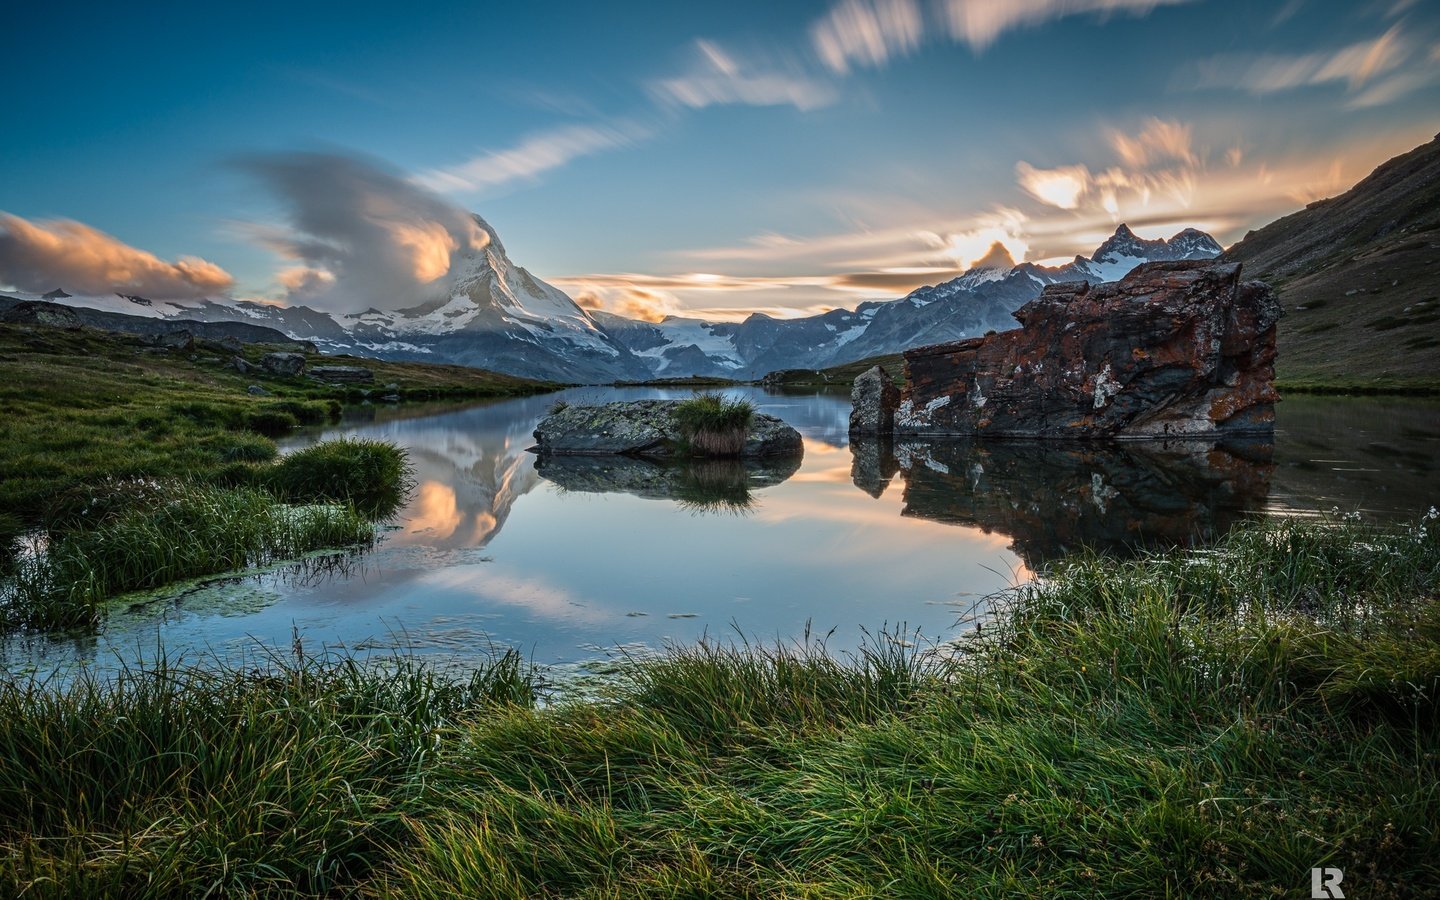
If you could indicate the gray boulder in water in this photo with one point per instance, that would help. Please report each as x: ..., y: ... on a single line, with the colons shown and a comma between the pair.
x: 647, y: 428
x: 874, y: 399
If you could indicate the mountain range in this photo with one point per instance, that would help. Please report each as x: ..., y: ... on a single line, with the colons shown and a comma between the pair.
x: 496, y: 315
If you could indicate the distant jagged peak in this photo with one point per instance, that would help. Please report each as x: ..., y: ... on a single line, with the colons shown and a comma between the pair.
x: 1189, y: 243
x: 57, y: 294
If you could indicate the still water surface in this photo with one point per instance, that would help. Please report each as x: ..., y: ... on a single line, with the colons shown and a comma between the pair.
x: 570, y: 559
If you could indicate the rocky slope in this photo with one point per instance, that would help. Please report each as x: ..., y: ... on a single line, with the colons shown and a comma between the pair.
x: 1359, y: 277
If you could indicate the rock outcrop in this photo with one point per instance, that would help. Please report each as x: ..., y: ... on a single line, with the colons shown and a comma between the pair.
x: 1174, y: 349
x: 288, y: 364
x: 873, y: 401
x: 34, y: 312
x: 342, y: 374
x: 647, y: 428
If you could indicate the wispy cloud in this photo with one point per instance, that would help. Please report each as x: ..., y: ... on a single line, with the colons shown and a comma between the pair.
x: 980, y: 23
x: 1354, y: 66
x: 63, y: 253
x: 867, y: 33
x: 718, y: 77
x: 531, y: 157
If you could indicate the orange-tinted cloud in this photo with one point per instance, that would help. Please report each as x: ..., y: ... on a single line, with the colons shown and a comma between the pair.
x: 40, y: 256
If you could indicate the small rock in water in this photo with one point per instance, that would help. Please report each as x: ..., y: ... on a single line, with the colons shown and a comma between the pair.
x: 684, y: 615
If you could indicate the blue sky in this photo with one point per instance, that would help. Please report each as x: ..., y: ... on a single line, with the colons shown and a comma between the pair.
x: 659, y: 157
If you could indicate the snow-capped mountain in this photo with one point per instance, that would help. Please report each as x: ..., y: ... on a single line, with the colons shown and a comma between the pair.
x: 493, y: 314
x: 981, y: 299
x: 488, y: 312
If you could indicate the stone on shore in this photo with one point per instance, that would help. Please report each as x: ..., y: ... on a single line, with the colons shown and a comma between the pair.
x: 288, y: 364
x: 346, y: 374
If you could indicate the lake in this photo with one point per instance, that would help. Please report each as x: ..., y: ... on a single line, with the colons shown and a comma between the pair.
x: 573, y: 559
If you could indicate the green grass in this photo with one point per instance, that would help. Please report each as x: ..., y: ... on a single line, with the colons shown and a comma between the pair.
x: 1191, y: 723
x: 372, y: 476
x: 714, y: 425
x: 141, y: 535
x: 88, y: 406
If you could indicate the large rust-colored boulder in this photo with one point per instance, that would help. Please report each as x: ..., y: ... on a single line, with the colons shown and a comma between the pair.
x: 1174, y: 349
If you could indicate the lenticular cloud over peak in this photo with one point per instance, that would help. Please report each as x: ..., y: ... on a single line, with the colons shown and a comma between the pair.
x: 364, y: 236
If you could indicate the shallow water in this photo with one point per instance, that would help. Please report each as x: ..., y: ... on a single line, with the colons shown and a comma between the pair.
x: 569, y: 560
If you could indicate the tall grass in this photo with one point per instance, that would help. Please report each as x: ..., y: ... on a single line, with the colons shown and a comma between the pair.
x: 374, y: 476
x: 1206, y: 723
x: 713, y: 424
x: 293, y: 777
x: 141, y: 535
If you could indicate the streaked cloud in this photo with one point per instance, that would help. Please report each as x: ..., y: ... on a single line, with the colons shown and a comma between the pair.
x: 1354, y: 65
x: 718, y: 78
x: 867, y: 33
x: 531, y: 157
x: 980, y: 23
x: 40, y: 256
x: 631, y: 301
x: 1060, y: 187
x: 362, y: 234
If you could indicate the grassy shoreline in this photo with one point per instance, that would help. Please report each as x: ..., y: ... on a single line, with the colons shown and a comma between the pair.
x: 137, y: 466
x: 86, y: 406
x: 1187, y: 723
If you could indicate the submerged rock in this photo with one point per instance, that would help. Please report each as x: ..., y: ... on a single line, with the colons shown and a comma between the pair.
x: 647, y: 428
x: 1174, y: 349
x: 873, y: 401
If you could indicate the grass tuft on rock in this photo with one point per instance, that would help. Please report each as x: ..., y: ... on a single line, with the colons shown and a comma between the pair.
x: 1210, y: 723
x: 714, y: 425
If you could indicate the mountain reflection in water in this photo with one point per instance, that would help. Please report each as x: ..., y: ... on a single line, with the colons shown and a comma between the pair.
x: 565, y: 559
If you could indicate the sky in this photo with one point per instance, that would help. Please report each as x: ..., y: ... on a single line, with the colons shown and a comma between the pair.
x: 657, y: 158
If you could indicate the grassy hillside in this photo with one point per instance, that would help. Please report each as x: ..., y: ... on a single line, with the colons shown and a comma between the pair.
x: 1359, y: 278
x: 86, y: 406
x: 837, y: 376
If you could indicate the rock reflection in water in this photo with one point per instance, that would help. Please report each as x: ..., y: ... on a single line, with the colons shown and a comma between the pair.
x: 703, y: 485
x: 1051, y: 499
